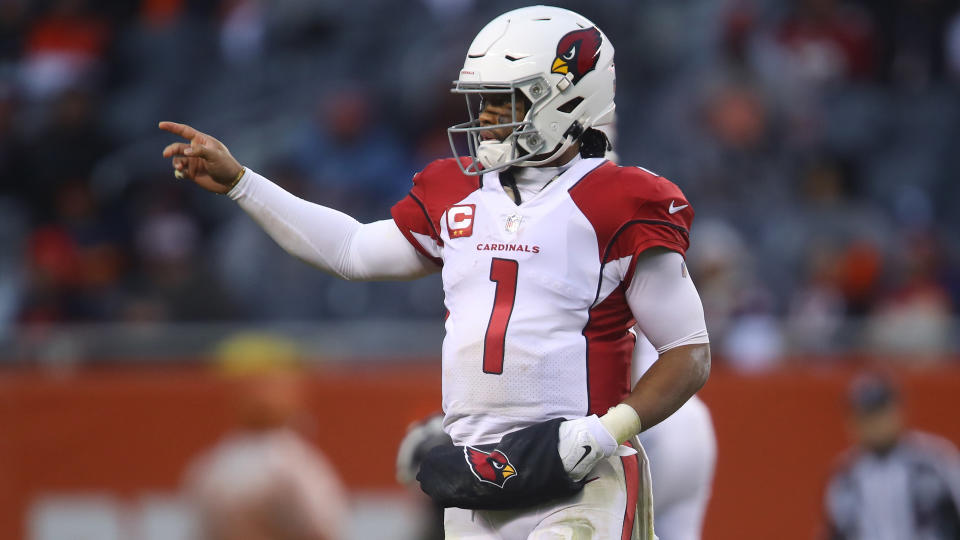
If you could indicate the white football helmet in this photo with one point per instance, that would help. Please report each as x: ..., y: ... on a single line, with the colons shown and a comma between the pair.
x: 560, y: 61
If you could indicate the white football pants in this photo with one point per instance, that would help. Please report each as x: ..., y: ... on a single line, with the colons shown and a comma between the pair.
x: 683, y: 452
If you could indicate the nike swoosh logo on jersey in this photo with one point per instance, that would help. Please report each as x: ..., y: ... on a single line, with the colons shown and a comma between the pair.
x: 675, y: 209
x: 586, y: 451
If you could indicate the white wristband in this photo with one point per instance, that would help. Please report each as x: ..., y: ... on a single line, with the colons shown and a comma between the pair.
x: 622, y: 422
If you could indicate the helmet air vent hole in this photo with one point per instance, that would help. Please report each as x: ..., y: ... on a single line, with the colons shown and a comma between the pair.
x: 569, y: 106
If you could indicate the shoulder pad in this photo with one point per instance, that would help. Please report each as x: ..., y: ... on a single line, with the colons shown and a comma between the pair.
x: 620, y: 200
x: 442, y: 184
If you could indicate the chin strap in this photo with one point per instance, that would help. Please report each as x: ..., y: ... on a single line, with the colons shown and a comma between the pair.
x: 574, y: 132
x: 570, y: 137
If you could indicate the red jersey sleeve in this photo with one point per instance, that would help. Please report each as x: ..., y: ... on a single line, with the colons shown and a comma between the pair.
x: 633, y: 210
x: 440, y: 185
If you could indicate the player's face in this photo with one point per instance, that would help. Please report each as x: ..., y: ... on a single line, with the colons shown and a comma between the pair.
x: 496, y: 109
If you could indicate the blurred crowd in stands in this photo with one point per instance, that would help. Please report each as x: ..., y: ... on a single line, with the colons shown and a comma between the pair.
x: 818, y: 141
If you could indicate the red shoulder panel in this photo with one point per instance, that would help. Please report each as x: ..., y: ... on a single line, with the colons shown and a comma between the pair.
x: 632, y: 209
x: 438, y: 186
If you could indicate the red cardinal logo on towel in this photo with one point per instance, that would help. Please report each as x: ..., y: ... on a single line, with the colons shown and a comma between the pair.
x: 493, y: 467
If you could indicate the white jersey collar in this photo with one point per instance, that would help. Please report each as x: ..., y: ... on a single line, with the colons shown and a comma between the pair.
x: 532, y: 180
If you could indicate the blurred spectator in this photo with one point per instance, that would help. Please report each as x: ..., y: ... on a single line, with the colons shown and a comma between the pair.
x: 717, y: 261
x: 737, y: 29
x: 915, y: 316
x: 64, y: 149
x: 173, y: 273
x: 51, y: 264
x: 74, y: 262
x: 355, y: 165
x: 816, y: 311
x: 828, y: 40
x: 894, y: 484
x: 737, y: 117
x: 754, y: 342
x: 264, y: 480
x: 912, y: 35
x: 243, y: 31
x: 860, y: 268
x: 740, y: 152
x: 11, y: 150
x: 952, y: 44
x: 786, y: 121
x: 12, y: 18
x: 245, y: 258
x: 816, y: 48
x: 449, y: 9
x: 161, y: 12
x: 12, y: 271
x: 63, y: 48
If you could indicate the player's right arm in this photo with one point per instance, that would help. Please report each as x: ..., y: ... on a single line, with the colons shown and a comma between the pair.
x: 321, y: 236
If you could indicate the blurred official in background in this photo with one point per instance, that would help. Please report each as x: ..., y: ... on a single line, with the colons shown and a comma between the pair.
x: 895, y: 484
x: 264, y: 480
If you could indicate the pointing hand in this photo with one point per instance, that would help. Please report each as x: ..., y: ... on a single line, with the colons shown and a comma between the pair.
x: 204, y: 160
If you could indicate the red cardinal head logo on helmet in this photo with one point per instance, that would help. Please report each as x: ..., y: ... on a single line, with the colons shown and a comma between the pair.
x: 493, y: 467
x: 577, y: 53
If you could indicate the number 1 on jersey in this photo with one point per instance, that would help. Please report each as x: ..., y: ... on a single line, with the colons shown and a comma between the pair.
x: 503, y: 272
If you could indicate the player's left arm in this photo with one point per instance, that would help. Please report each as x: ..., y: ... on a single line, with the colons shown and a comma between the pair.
x: 667, y: 308
x: 668, y: 311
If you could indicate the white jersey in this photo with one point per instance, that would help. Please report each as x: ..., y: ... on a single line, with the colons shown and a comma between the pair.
x: 537, y: 325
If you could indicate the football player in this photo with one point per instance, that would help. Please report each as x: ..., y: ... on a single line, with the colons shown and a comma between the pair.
x: 549, y: 254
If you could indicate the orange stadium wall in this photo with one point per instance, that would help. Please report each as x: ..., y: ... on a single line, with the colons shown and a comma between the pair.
x: 131, y: 431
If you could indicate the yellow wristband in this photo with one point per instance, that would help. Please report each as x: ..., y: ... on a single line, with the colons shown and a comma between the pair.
x: 236, y: 180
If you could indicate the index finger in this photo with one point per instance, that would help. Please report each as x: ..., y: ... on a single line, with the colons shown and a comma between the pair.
x: 182, y: 130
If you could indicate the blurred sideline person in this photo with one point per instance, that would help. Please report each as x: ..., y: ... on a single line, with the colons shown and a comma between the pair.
x: 682, y: 451
x: 549, y: 255
x: 263, y: 480
x: 895, y: 484
x: 683, y: 454
x: 421, y: 437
